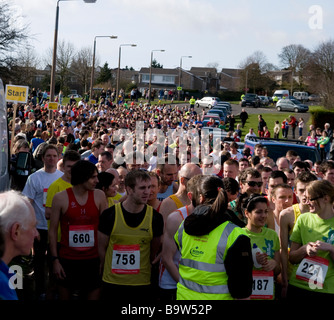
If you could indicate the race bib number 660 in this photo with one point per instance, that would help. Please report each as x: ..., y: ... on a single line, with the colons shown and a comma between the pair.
x: 81, y: 237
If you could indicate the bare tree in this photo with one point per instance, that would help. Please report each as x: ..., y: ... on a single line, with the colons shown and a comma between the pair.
x: 65, y: 55
x: 82, y: 66
x: 25, y: 68
x: 12, y: 37
x: 295, y: 57
x: 321, y: 71
x: 258, y: 57
x: 253, y: 75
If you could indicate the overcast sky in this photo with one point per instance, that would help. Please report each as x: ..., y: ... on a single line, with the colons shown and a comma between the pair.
x: 211, y: 31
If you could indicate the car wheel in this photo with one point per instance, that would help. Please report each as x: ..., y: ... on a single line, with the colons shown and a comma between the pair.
x: 296, y: 110
x: 209, y: 106
x: 278, y: 109
x: 196, y: 105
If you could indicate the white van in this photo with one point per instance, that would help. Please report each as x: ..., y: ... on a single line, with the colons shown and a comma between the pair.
x: 302, y: 96
x: 281, y: 93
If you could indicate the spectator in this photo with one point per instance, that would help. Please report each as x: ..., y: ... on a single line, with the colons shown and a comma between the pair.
x: 261, y: 125
x: 17, y: 235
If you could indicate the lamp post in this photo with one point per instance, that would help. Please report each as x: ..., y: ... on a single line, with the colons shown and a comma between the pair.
x: 93, y: 64
x: 119, y: 67
x: 180, y: 75
x: 150, y: 82
x: 54, y: 56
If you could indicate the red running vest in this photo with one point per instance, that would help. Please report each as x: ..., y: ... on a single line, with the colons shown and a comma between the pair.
x: 79, y: 229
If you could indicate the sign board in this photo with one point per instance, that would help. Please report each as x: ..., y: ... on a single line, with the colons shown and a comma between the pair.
x: 93, y: 101
x: 53, y: 105
x: 18, y: 94
x: 179, y: 88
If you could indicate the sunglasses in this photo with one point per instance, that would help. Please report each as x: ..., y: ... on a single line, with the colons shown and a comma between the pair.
x: 254, y: 183
x: 314, y: 199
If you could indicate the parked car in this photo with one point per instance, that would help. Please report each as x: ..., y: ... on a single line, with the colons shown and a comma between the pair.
x: 225, y: 104
x: 221, y: 113
x: 314, y: 97
x: 214, y: 116
x: 206, y: 102
x: 291, y: 105
x: 264, y: 100
x: 207, y: 118
x: 301, y: 96
x: 216, y: 132
x: 281, y: 93
x: 278, y: 148
x: 205, y: 122
x: 252, y: 100
x: 75, y: 96
x: 222, y: 108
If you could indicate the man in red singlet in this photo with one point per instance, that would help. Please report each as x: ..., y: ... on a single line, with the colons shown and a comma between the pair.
x: 76, y: 262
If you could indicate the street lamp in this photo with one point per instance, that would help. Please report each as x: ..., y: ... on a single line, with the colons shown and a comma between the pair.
x: 119, y: 66
x: 93, y: 64
x: 180, y: 75
x: 149, y: 86
x: 54, y: 56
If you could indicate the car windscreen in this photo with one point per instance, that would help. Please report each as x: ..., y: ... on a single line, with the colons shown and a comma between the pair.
x: 295, y: 101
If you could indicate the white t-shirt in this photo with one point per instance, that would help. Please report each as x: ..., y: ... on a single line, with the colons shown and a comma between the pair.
x: 250, y: 135
x: 237, y: 156
x: 36, y: 189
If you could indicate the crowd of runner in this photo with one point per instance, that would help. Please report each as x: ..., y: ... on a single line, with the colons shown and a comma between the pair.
x: 129, y: 200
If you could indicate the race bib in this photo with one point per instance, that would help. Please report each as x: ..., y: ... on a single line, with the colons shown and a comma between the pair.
x: 45, y: 193
x: 263, y: 285
x: 126, y: 259
x: 81, y: 237
x: 313, y: 271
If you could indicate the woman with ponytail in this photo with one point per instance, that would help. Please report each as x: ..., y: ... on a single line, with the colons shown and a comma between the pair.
x: 216, y: 255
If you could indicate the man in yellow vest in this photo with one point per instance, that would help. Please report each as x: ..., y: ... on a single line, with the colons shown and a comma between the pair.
x: 192, y: 102
x: 129, y: 239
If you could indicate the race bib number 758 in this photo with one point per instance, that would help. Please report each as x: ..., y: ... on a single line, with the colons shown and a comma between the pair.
x: 126, y: 259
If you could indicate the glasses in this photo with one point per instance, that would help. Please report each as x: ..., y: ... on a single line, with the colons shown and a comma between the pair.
x: 254, y: 183
x: 314, y: 199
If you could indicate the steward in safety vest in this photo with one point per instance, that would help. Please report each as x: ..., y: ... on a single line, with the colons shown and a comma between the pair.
x: 216, y: 261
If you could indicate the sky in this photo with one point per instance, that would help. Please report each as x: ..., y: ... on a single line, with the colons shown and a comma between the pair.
x: 219, y: 32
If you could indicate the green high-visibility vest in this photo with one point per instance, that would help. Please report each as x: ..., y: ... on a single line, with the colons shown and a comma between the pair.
x: 202, y: 270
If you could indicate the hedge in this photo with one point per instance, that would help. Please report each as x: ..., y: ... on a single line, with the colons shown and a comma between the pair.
x: 320, y: 117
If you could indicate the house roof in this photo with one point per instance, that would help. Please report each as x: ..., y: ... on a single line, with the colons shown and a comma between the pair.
x: 233, y: 73
x: 203, y: 72
x: 159, y: 71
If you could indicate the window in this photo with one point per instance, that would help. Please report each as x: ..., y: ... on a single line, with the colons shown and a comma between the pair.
x: 146, y: 78
x: 168, y: 79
